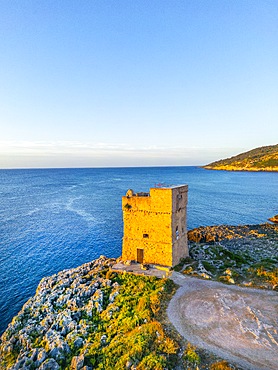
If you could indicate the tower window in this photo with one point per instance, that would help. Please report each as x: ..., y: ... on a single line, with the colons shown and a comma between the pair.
x: 177, y: 232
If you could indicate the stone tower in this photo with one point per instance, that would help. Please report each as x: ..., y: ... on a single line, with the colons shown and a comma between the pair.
x: 155, y: 226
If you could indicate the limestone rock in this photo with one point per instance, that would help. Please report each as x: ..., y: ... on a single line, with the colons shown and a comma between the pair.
x: 49, y: 364
x: 274, y: 219
x: 213, y: 234
x: 77, y: 362
x: 78, y: 343
x: 55, y: 319
x: 41, y: 356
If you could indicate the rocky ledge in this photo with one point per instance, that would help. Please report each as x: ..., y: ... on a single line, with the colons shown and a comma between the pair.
x: 91, y: 317
x: 52, y: 325
x: 246, y: 255
x: 274, y: 219
x: 207, y: 234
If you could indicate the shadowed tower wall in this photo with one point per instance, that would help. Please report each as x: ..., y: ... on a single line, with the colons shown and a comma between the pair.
x: 155, y: 226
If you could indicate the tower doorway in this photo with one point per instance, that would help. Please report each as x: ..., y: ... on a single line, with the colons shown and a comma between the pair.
x: 140, y: 255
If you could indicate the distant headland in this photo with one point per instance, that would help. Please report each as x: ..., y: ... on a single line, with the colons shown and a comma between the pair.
x: 264, y: 158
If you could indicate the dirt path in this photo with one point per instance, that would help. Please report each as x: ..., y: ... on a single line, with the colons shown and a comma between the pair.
x: 238, y: 324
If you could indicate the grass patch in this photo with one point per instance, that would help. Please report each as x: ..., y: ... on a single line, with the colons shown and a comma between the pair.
x: 133, y: 335
x: 209, y: 267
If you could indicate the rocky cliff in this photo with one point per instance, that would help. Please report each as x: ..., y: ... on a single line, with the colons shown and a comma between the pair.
x: 218, y: 233
x: 274, y: 219
x: 260, y: 159
x: 51, y: 326
x: 89, y: 318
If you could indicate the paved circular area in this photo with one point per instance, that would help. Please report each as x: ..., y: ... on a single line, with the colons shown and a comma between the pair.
x: 238, y: 324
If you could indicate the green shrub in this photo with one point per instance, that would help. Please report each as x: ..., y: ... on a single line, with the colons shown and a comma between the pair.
x: 209, y: 267
x: 190, y: 357
x: 222, y: 365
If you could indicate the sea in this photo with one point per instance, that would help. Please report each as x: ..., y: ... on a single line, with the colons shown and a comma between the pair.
x: 55, y: 219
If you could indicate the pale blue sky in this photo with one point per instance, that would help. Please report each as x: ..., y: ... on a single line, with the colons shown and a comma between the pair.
x: 134, y: 82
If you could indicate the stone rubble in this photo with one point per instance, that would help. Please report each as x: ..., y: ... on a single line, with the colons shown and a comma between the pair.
x: 225, y: 252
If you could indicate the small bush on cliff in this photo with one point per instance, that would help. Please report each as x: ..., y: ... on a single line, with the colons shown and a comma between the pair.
x: 190, y: 357
x: 265, y: 276
x: 222, y: 365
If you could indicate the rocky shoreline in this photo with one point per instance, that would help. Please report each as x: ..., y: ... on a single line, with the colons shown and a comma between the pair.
x: 246, y: 255
x: 205, y: 234
x: 274, y: 219
x: 241, y: 169
x: 91, y: 317
x: 55, y: 316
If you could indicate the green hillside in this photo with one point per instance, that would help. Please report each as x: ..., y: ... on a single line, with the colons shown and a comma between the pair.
x: 264, y: 158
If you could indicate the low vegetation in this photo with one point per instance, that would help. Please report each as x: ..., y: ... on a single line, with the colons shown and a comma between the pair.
x: 133, y: 336
x: 221, y: 365
x: 246, y: 255
x: 190, y: 357
x: 119, y: 331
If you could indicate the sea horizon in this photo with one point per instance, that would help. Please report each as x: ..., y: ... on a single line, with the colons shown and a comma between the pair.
x: 96, y: 167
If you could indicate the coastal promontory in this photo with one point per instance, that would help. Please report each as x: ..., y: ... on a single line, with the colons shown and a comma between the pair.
x: 264, y: 158
x: 90, y: 318
x: 93, y: 317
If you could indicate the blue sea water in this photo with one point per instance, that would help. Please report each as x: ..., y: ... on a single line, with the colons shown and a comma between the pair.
x: 53, y: 219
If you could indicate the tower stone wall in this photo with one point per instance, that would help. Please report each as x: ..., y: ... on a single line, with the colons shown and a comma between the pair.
x: 155, y: 226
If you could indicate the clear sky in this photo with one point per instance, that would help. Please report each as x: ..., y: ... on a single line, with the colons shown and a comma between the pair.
x: 88, y: 83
